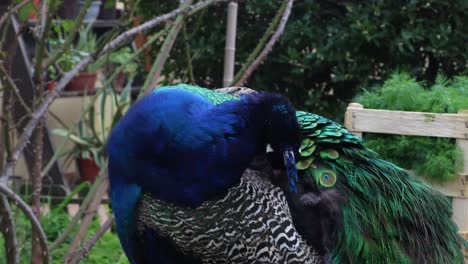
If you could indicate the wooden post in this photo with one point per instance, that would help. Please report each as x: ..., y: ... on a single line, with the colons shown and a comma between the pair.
x: 460, y: 204
x: 349, y: 118
x: 230, y: 50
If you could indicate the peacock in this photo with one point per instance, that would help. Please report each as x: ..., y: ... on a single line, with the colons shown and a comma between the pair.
x: 345, y: 205
x: 180, y: 184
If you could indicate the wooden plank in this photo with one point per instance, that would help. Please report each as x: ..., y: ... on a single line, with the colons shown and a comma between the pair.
x: 407, y: 123
x: 462, y: 143
x: 456, y: 188
x: 460, y: 213
x: 460, y: 204
x: 349, y: 119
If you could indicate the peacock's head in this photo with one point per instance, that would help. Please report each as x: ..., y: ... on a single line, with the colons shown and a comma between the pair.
x: 283, y: 133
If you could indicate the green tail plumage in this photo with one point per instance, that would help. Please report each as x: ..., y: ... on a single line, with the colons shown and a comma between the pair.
x: 391, y: 216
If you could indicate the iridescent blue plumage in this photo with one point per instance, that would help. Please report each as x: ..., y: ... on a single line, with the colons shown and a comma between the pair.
x: 180, y: 148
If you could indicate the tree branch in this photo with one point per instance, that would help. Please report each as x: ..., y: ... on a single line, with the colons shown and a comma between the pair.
x: 7, y: 227
x: 268, y: 47
x: 14, y: 88
x: 163, y: 54
x: 36, y: 225
x: 90, y: 243
x: 12, y: 10
x: 188, y: 56
x: 158, y: 65
x: 90, y: 211
x: 46, y: 23
x: 84, y: 205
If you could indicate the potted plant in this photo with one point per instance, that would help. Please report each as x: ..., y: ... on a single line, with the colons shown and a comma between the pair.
x: 105, y: 110
x: 122, y: 59
x: 86, y: 44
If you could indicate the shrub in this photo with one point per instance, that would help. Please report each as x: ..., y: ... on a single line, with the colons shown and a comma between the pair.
x: 438, y: 159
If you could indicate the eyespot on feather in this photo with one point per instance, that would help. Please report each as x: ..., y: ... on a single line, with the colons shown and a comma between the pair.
x: 325, y: 177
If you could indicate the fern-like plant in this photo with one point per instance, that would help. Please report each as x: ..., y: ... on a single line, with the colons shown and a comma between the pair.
x: 437, y: 159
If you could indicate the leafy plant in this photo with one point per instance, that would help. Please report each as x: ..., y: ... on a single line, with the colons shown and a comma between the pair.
x: 93, y: 129
x: 438, y: 159
x: 86, y: 44
x: 106, y: 250
x: 123, y: 57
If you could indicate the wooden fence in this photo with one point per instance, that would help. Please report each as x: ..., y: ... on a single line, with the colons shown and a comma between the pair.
x: 359, y: 120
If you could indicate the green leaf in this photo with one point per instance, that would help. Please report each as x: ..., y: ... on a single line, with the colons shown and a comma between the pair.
x: 74, y: 138
x: 24, y: 12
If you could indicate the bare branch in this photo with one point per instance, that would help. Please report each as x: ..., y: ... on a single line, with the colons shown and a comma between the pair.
x: 36, y: 225
x: 7, y: 223
x: 119, y: 40
x: 90, y: 211
x: 84, y: 205
x: 14, y: 88
x: 269, y: 45
x: 13, y: 10
x: 46, y: 23
x: 90, y: 243
x: 158, y: 65
x: 36, y: 180
x: 7, y: 227
x: 188, y: 56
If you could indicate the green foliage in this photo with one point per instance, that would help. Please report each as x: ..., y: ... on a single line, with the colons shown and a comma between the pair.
x: 106, y: 250
x: 329, y: 48
x: 436, y: 158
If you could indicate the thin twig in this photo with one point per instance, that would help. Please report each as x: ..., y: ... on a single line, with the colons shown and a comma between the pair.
x: 84, y: 205
x: 7, y: 227
x: 86, y: 221
x: 12, y: 10
x: 7, y: 223
x: 46, y: 23
x: 14, y: 88
x: 261, y: 43
x: 36, y: 182
x: 188, y: 56
x: 158, y: 64
x: 269, y: 45
x: 119, y: 40
x: 90, y: 243
x: 47, y: 10
x: 36, y: 225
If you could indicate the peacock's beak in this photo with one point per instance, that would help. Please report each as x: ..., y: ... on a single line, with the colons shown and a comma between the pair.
x: 290, y: 164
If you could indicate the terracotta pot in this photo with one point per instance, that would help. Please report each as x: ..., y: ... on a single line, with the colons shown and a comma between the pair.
x: 120, y: 80
x: 82, y: 81
x: 51, y: 85
x: 89, y: 170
